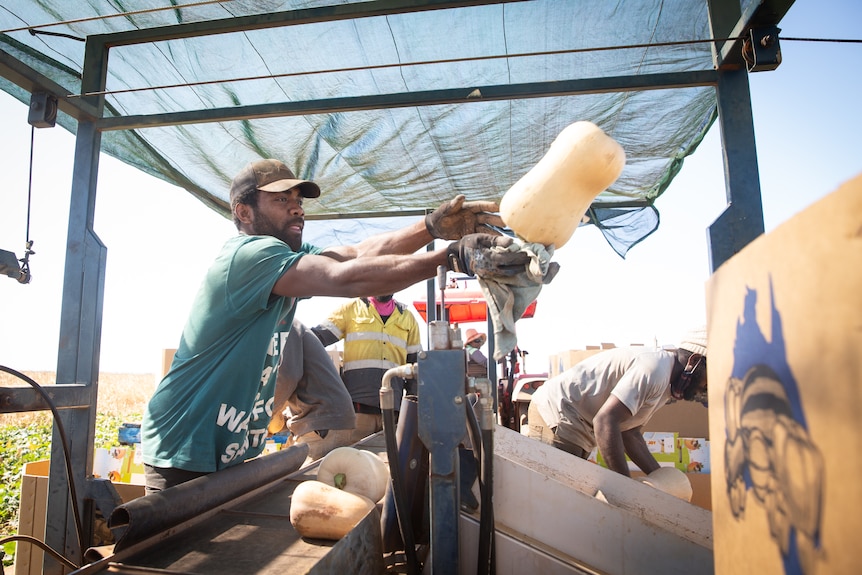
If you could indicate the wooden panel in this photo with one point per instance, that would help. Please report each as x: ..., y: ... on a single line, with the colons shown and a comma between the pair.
x: 31, y: 517
x: 785, y: 334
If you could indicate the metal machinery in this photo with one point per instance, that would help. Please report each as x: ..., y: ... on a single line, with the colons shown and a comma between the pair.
x: 444, y: 412
x: 751, y: 27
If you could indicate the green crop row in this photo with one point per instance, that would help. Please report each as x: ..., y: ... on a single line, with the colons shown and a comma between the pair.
x: 22, y: 444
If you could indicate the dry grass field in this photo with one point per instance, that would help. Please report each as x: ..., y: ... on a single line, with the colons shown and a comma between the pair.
x: 120, y: 394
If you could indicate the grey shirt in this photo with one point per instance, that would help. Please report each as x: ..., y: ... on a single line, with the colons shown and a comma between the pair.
x: 309, y: 392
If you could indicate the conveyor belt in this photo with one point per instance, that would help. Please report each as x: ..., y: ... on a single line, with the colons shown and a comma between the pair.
x: 554, y: 514
x: 250, y: 534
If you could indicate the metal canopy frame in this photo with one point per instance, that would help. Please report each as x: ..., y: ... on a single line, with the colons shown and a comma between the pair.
x: 81, y: 317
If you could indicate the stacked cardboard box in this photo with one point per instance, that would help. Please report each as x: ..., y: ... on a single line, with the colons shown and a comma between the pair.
x: 690, y: 422
x: 560, y: 362
x: 661, y: 444
x: 693, y: 454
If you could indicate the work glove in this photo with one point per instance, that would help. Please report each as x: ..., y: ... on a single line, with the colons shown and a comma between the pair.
x: 457, y: 218
x: 486, y: 255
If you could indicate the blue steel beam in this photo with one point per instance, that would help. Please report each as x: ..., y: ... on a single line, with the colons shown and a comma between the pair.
x: 80, y: 331
x: 742, y: 220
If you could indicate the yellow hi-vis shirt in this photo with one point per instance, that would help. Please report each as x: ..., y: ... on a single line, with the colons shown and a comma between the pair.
x: 371, y: 347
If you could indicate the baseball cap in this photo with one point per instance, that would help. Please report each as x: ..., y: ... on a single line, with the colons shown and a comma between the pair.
x: 695, y: 341
x: 270, y: 176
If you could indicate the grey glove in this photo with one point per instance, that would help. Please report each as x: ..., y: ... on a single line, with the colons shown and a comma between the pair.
x: 475, y: 254
x: 456, y: 218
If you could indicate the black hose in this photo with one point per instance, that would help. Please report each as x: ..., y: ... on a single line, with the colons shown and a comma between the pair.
x: 64, y: 444
x: 41, y: 545
x: 475, y: 437
x: 398, y: 492
x: 486, y: 519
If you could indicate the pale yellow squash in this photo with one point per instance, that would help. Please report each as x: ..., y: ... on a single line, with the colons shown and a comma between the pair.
x: 320, y: 511
x: 670, y: 480
x: 356, y: 471
x: 547, y: 204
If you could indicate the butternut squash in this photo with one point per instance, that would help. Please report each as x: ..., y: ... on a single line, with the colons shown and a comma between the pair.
x: 320, y: 511
x: 355, y: 471
x: 548, y: 203
x: 670, y: 480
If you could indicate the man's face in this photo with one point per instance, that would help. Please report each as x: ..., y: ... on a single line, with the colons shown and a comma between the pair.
x: 280, y: 214
x: 697, y: 389
x: 691, y: 384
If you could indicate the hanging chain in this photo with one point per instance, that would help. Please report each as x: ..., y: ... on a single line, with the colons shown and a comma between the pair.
x: 24, y: 276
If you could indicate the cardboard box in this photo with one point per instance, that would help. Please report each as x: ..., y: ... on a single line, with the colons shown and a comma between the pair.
x: 662, y: 446
x: 784, y: 317
x: 32, y: 513
x: 693, y: 454
x: 275, y: 443
x: 658, y: 442
x: 132, y: 470
x: 122, y: 464
x: 560, y: 362
x: 108, y: 463
x: 687, y: 418
x: 701, y: 489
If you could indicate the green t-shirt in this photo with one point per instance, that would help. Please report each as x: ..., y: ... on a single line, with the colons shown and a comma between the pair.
x: 211, y: 409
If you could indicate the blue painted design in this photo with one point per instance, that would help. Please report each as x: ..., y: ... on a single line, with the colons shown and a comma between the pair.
x: 751, y: 348
x: 768, y: 451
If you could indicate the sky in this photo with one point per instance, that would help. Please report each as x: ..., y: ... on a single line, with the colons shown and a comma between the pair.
x: 161, y: 240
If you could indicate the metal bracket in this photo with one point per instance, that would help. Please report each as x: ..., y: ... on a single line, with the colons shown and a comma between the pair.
x: 43, y: 110
x: 761, y: 50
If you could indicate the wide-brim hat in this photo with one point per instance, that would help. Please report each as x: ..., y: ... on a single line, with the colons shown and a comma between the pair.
x: 474, y: 336
x: 270, y: 176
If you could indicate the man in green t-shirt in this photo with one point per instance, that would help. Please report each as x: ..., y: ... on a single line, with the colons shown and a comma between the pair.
x: 212, y: 408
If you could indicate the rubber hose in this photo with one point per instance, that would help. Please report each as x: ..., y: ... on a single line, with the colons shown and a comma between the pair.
x: 475, y: 438
x: 486, y: 519
x: 398, y: 492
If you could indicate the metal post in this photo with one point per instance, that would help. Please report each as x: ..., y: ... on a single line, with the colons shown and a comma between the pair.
x: 492, y: 363
x: 442, y: 427
x: 742, y: 220
x: 80, y: 331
